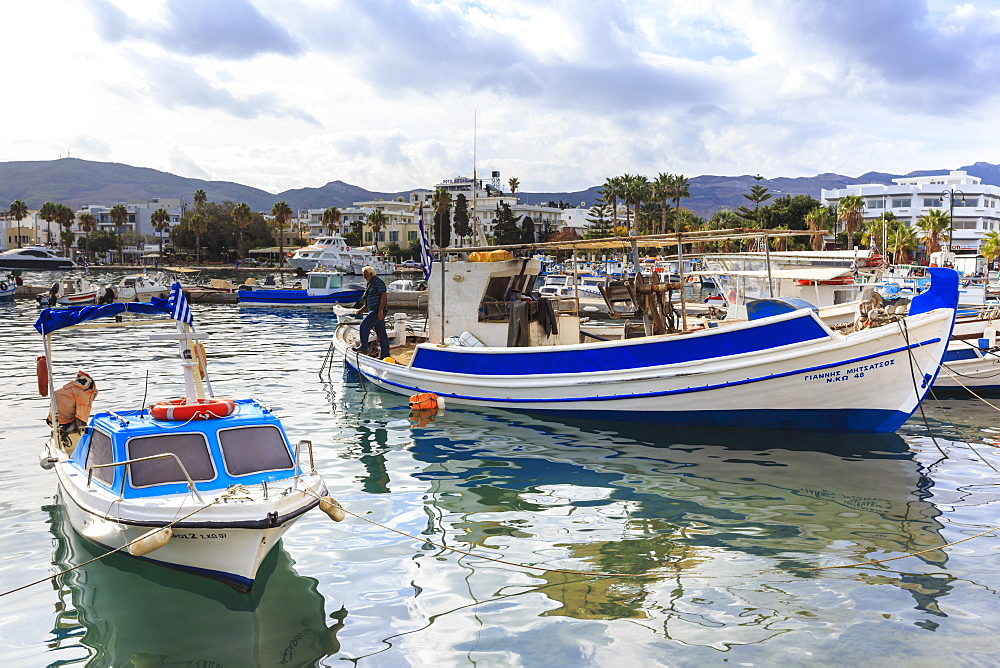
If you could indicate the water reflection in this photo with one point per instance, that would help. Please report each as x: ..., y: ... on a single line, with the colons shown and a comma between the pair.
x: 128, y: 612
x: 711, y: 515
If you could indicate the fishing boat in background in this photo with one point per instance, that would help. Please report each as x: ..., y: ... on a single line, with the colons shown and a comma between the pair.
x: 324, y: 288
x: 199, y: 483
x: 783, y: 367
x: 142, y: 287
x: 71, y: 291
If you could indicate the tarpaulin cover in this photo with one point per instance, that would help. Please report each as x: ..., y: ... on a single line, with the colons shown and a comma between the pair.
x: 51, y: 319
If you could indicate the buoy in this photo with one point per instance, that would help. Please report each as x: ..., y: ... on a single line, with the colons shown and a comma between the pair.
x: 422, y: 418
x: 149, y: 541
x: 199, y: 409
x: 333, y: 509
x: 42, y: 373
x: 390, y: 360
x: 424, y: 401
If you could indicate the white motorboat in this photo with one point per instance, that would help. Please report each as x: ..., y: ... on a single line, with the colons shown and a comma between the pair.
x: 333, y: 252
x: 783, y: 368
x: 142, y: 287
x: 200, y: 484
x: 34, y: 258
x: 71, y: 291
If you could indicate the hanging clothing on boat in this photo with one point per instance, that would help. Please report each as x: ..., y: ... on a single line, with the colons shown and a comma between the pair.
x: 547, y: 317
x: 74, y: 401
x: 517, y: 328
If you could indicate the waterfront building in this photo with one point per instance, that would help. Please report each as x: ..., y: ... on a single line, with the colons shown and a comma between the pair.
x: 976, y: 206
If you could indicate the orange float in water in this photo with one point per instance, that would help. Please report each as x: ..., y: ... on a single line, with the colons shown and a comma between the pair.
x: 425, y: 401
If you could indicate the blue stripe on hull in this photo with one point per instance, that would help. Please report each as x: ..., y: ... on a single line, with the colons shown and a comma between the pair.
x: 621, y: 355
x: 300, y: 297
x: 863, y: 420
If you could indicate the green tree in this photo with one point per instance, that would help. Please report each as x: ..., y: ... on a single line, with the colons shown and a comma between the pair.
x: 377, y: 220
x: 463, y: 224
x: 160, y: 220
x: 88, y: 223
x: 514, y: 184
x: 441, y: 201
x: 902, y: 243
x: 598, y: 222
x: 990, y: 246
x: 65, y: 217
x: 119, y: 217
x: 199, y: 225
x: 505, y: 231
x: 527, y: 230
x: 331, y: 219
x: 819, y: 219
x: 636, y: 192
x: 660, y: 190
x: 850, y: 212
x: 613, y: 190
x: 282, y: 213
x: 242, y: 217
x: 934, y: 225
x: 48, y: 214
x: 18, y: 211
x: 200, y: 198
x: 758, y: 195
x: 101, y: 242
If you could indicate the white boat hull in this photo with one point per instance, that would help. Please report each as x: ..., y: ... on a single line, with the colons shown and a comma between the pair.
x: 220, y: 542
x: 869, y: 381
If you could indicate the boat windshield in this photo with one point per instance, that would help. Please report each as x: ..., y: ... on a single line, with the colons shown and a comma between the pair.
x: 248, y: 450
x: 191, y: 449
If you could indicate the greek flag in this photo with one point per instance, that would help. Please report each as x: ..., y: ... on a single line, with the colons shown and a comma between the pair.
x: 179, y: 305
x: 425, y: 248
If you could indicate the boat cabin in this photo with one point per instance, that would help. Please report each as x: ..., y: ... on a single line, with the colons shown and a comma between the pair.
x: 249, y: 447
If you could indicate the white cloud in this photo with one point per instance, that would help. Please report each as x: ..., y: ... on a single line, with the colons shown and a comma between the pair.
x: 281, y: 94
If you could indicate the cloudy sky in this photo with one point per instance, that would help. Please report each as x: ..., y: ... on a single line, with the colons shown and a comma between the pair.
x: 561, y: 94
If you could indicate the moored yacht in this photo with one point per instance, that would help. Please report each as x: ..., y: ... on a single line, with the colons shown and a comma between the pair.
x: 34, y: 257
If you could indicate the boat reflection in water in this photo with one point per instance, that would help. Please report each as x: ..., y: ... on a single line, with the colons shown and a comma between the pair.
x: 136, y: 613
x: 730, y: 531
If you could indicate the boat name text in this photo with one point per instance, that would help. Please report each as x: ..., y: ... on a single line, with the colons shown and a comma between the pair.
x: 855, y: 372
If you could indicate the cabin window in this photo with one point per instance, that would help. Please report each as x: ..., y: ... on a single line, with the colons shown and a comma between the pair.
x: 497, y: 288
x: 254, y: 450
x: 191, y: 449
x: 317, y: 282
x: 100, y: 453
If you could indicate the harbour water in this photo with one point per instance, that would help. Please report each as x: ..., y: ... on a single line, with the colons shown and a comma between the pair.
x: 738, y: 546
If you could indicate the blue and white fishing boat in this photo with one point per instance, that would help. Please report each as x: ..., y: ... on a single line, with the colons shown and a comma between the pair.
x: 783, y: 368
x: 199, y: 484
x: 324, y: 288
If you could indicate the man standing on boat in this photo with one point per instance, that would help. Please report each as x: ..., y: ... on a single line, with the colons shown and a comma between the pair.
x: 374, y: 302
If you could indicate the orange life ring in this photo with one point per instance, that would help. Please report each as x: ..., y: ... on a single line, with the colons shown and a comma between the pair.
x: 201, y: 409
x: 424, y: 401
x: 42, y: 373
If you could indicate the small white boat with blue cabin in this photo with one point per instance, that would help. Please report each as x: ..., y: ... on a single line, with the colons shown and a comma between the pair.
x: 324, y: 288
x: 198, y: 484
x: 783, y: 368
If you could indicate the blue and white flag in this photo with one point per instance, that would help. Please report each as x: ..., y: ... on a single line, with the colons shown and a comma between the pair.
x: 425, y: 248
x: 179, y: 309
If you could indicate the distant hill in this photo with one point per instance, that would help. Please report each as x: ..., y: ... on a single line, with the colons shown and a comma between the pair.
x: 76, y: 182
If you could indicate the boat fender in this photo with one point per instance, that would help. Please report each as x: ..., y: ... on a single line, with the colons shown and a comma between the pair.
x: 150, y: 541
x: 3, y: 285
x: 199, y: 409
x: 333, y: 509
x: 424, y: 401
x: 42, y: 373
x: 390, y: 360
x: 46, y: 462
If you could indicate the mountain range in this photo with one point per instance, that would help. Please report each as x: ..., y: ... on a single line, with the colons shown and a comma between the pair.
x: 76, y: 183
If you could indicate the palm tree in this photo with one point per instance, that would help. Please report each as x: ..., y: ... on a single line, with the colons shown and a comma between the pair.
x: 990, y: 247
x: 679, y: 187
x: 199, y: 198
x: 934, y: 224
x: 161, y: 221
x: 377, y: 220
x: 18, y: 211
x: 819, y: 219
x: 513, y: 183
x: 612, y: 190
x: 902, y: 241
x: 441, y: 201
x: 199, y: 225
x: 331, y: 219
x: 242, y: 217
x: 636, y: 192
x: 65, y: 217
x: 118, y: 216
x: 850, y: 212
x: 660, y: 190
x: 281, y: 212
x: 88, y: 223
x: 48, y: 214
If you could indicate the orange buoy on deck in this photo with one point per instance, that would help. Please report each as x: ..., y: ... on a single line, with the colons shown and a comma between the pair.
x: 425, y: 401
x: 42, y: 372
x: 199, y: 409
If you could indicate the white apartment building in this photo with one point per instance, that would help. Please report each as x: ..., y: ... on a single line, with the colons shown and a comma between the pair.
x: 975, y: 207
